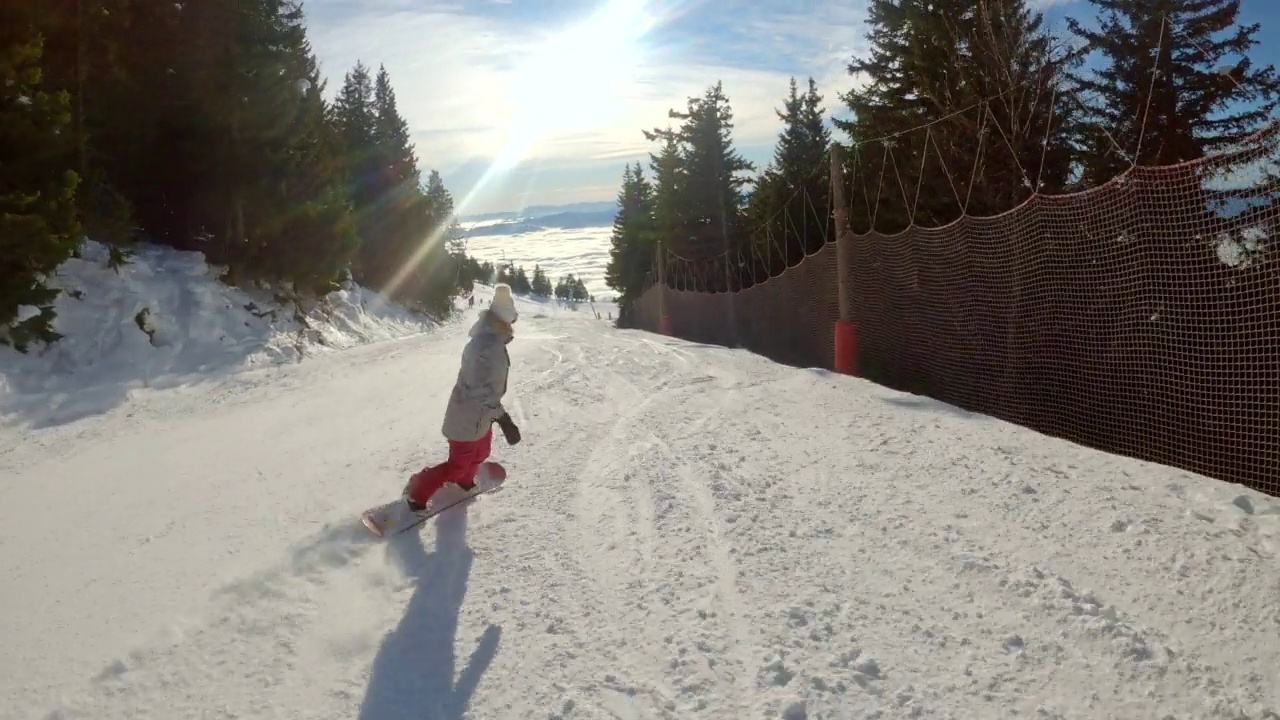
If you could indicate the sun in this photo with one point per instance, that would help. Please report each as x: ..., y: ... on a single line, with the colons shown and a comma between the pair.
x: 574, y: 82
x: 578, y: 79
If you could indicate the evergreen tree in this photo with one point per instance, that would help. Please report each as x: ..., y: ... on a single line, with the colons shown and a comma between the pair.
x: 38, y: 228
x: 395, y: 217
x: 1016, y: 63
x: 474, y: 271
x: 311, y: 235
x: 444, y: 229
x: 540, y: 285
x: 1195, y: 104
x: 667, y: 216
x: 441, y: 202
x: 355, y: 117
x: 984, y: 76
x: 520, y: 282
x: 140, y: 110
x: 83, y: 55
x: 791, y: 206
x: 203, y: 125
x: 711, y: 217
x: 406, y: 232
x: 564, y: 288
x: 242, y: 93
x: 397, y: 162
x: 631, y: 251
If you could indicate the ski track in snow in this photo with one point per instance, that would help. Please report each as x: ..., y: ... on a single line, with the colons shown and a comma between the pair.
x: 686, y: 532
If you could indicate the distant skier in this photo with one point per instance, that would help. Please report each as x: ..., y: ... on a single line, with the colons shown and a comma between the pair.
x: 475, y: 404
x: 471, y: 301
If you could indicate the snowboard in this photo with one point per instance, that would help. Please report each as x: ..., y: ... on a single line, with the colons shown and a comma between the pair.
x: 395, y: 517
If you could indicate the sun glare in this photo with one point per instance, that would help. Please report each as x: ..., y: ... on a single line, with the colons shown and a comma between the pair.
x: 577, y: 80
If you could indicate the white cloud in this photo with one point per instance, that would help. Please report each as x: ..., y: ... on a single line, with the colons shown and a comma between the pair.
x: 458, y: 81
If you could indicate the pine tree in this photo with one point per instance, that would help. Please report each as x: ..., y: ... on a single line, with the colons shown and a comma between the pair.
x: 1196, y: 103
x: 790, y: 208
x: 38, y: 228
x: 242, y: 106
x: 631, y: 254
x: 310, y: 237
x: 407, y: 233
x: 564, y: 288
x: 395, y: 217
x: 355, y: 117
x: 1016, y: 64
x: 912, y: 65
x: 443, y: 219
x: 772, y: 232
x: 711, y: 218
x: 667, y: 217
x: 444, y: 229
x: 83, y: 56
x: 397, y: 162
x: 140, y: 110
x: 520, y: 282
x: 441, y: 200
x: 943, y: 75
x: 540, y: 285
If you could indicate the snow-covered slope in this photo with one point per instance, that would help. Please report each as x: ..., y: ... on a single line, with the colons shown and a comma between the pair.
x: 687, y: 532
x: 166, y: 320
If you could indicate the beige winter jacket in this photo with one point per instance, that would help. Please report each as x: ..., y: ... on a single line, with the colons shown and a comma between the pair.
x: 476, y: 400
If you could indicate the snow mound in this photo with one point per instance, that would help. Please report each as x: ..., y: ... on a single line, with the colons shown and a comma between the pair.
x: 165, y: 319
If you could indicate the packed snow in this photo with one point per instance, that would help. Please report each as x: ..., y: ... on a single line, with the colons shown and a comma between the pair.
x: 166, y: 320
x: 686, y: 532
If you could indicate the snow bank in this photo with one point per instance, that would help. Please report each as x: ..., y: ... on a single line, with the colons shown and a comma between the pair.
x: 165, y: 319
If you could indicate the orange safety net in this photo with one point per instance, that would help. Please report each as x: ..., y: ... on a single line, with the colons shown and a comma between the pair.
x: 1141, y: 317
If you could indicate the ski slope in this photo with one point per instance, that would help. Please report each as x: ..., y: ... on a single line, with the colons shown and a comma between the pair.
x: 687, y: 532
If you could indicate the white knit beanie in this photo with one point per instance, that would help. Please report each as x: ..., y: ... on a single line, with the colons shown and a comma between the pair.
x: 503, y: 306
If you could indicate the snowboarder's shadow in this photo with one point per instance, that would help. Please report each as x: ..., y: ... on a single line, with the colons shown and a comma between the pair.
x: 413, y: 673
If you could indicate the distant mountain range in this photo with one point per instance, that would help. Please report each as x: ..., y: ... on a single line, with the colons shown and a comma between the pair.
x: 539, y: 211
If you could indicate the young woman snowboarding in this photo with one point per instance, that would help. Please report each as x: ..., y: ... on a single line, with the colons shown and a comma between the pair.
x: 474, y: 406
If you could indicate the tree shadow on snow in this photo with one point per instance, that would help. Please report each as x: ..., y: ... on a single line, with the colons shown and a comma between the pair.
x: 413, y: 673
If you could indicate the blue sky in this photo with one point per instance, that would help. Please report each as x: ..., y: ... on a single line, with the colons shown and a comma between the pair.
x: 531, y: 102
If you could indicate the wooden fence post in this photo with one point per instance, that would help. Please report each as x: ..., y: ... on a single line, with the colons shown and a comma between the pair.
x: 660, y: 264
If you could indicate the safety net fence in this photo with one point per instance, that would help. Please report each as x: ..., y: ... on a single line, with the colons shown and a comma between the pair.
x: 1140, y: 317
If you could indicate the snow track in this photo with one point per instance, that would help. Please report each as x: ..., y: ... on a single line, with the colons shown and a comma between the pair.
x: 687, y: 532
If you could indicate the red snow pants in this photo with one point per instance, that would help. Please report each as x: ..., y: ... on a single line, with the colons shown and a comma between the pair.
x: 464, y: 460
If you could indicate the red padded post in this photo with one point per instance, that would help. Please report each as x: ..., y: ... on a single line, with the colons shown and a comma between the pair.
x: 846, y: 360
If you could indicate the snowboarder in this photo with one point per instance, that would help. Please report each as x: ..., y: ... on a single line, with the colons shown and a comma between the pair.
x: 475, y: 404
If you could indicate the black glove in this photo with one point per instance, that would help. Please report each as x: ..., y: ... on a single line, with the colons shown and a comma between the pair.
x: 509, y: 429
